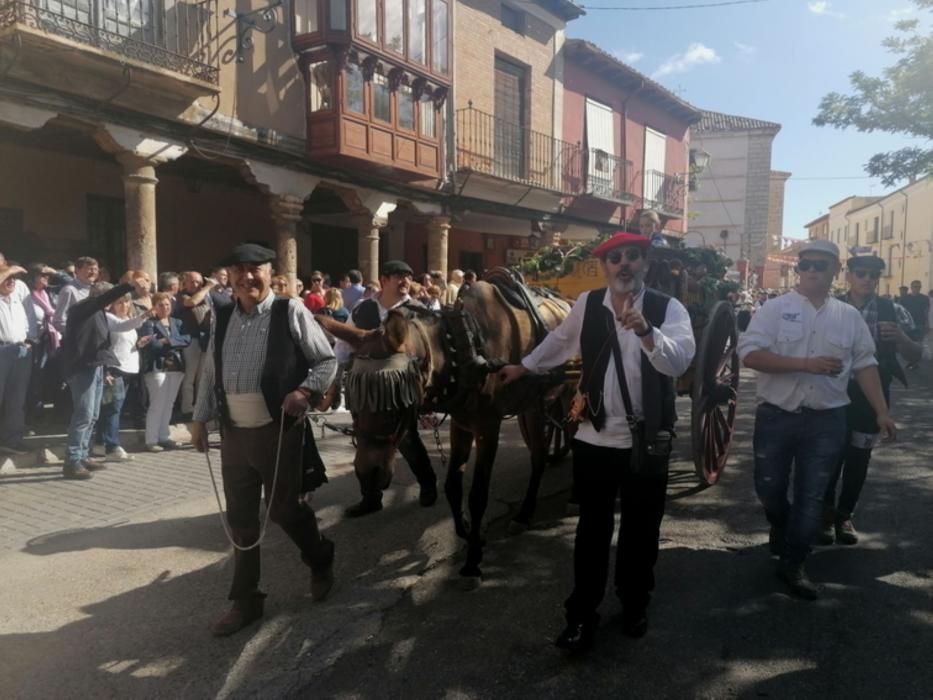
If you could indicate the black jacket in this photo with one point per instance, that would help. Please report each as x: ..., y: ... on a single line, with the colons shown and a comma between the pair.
x: 86, y: 343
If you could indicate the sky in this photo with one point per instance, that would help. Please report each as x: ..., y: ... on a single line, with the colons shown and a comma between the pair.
x: 773, y: 60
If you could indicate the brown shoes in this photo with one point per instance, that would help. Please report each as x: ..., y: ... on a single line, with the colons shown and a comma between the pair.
x: 76, y: 471
x: 242, y: 614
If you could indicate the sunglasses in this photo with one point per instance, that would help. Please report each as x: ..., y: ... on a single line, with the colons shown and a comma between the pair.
x: 862, y: 274
x: 815, y: 265
x: 615, y: 256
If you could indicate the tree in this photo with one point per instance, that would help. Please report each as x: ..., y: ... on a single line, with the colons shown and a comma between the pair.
x: 898, y: 102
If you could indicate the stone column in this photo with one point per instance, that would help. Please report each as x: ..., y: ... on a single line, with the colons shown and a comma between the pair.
x: 438, y: 230
x: 368, y: 247
x: 286, y: 211
x: 139, y: 191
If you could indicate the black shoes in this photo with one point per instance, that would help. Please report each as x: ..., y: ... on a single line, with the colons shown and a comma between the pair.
x: 428, y: 496
x: 364, y: 507
x: 634, y: 624
x: 798, y: 583
x: 77, y: 471
x: 577, y: 636
x: 845, y: 532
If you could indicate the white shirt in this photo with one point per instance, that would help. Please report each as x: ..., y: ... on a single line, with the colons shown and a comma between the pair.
x: 342, y: 349
x: 20, y: 290
x: 674, y: 348
x: 791, y: 326
x: 14, y: 327
x: 123, y: 339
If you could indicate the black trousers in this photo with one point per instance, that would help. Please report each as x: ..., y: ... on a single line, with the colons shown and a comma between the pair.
x: 248, y: 459
x: 375, y: 479
x: 600, y: 475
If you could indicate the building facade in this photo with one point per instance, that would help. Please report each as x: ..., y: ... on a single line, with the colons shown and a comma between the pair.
x: 731, y: 207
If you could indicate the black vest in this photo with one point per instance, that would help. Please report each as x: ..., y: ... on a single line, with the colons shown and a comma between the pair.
x: 889, y: 368
x: 285, y: 367
x: 657, y: 389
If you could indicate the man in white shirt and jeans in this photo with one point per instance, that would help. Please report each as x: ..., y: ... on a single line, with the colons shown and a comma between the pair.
x: 805, y: 345
x: 651, y: 335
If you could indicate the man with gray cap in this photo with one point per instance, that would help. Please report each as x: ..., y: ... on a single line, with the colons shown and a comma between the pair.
x: 805, y: 345
x: 266, y: 362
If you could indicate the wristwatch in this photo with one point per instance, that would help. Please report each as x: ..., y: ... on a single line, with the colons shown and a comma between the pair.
x: 647, y: 332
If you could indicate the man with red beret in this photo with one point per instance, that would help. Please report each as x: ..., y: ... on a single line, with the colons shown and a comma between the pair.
x: 633, y: 341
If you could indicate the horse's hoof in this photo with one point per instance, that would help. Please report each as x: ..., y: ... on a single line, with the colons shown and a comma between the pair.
x: 517, y: 527
x: 571, y: 510
x: 468, y: 584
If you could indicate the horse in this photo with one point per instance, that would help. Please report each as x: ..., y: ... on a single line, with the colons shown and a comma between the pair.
x: 422, y: 361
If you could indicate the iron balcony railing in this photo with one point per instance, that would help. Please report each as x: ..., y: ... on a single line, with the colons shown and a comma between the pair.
x: 178, y: 35
x: 666, y: 193
x: 512, y: 152
x: 608, y: 176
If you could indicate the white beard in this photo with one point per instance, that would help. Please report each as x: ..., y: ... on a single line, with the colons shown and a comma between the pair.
x: 631, y: 286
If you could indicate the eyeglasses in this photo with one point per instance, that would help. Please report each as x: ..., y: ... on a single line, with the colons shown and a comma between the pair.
x: 862, y: 274
x: 816, y: 265
x: 615, y: 256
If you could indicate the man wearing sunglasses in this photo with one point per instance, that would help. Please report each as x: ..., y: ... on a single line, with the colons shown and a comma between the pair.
x: 651, y: 334
x: 889, y: 325
x: 805, y: 346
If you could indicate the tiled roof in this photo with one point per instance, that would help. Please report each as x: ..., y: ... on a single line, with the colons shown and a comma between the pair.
x: 717, y: 121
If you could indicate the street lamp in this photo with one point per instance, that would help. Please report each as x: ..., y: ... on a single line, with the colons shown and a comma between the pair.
x: 699, y: 161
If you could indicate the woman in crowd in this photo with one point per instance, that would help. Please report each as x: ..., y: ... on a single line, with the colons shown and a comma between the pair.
x: 333, y: 305
x: 163, y: 368
x: 142, y: 292
x: 280, y: 286
x: 117, y: 378
x: 40, y: 311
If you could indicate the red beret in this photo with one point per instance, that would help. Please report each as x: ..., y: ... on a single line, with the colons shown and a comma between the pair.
x: 620, y: 240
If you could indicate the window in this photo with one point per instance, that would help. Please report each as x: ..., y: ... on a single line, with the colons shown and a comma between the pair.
x: 306, y: 16
x: 366, y: 21
x: 428, y: 117
x: 395, y: 25
x: 874, y: 230
x: 338, y: 15
x: 889, y: 227
x: 439, y: 59
x: 512, y: 19
x: 416, y: 30
x: 353, y: 77
x: 405, y: 108
x: 382, y: 99
x: 322, y: 89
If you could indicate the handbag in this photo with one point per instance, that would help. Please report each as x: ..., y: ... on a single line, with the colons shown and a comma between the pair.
x: 649, y: 457
x: 171, y: 360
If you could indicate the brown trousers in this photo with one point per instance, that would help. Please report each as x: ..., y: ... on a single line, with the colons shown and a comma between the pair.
x: 248, y: 465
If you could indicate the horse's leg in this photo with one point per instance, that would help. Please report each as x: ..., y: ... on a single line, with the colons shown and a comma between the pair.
x: 461, y: 441
x: 487, y: 442
x: 534, y: 422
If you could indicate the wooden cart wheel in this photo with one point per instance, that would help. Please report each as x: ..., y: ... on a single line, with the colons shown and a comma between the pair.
x: 715, y: 394
x: 558, y: 433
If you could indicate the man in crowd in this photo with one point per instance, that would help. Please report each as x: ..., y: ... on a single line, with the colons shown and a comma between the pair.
x: 918, y: 305
x: 220, y: 292
x: 890, y: 336
x: 805, y: 346
x: 453, y: 288
x: 354, y: 289
x: 268, y: 360
x: 314, y: 299
x: 633, y: 341
x: 15, y: 362
x: 20, y: 288
x: 395, y: 282
x: 85, y: 353
x: 86, y: 273
x: 194, y: 311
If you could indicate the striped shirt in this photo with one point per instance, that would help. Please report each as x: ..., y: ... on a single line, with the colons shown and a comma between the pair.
x: 244, y: 354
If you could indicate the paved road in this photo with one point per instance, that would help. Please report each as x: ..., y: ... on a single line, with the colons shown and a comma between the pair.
x: 121, y: 609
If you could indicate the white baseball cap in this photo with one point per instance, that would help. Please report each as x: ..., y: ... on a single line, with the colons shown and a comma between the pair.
x: 820, y: 246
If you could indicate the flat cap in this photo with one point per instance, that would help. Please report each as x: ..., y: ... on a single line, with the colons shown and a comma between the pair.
x: 248, y: 253
x: 395, y: 267
x: 868, y: 262
x: 620, y: 240
x: 820, y: 246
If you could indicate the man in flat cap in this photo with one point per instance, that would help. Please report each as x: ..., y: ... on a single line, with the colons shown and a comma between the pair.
x: 633, y: 341
x: 395, y: 283
x: 888, y: 323
x: 805, y: 346
x: 266, y: 362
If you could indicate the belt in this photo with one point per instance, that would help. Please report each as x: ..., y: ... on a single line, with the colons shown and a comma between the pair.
x: 797, y: 411
x: 4, y: 343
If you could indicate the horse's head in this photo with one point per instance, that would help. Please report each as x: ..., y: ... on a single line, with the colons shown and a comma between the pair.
x: 383, y: 387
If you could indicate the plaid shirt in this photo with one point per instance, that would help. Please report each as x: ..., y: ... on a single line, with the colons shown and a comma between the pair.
x: 870, y: 314
x: 244, y: 352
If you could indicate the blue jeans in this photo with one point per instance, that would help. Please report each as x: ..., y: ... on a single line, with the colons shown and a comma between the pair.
x: 110, y: 408
x: 86, y: 388
x: 811, y: 441
x: 15, y: 368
